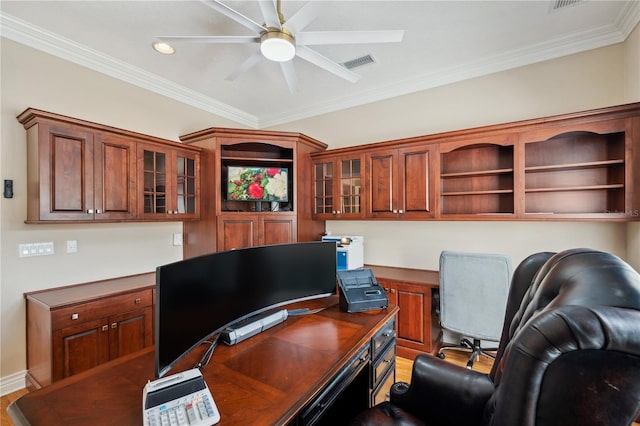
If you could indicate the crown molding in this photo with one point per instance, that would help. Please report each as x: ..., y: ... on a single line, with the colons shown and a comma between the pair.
x: 22, y: 32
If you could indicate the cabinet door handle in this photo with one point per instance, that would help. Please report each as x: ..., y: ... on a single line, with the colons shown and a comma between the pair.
x: 395, y: 211
x: 137, y: 301
x: 74, y: 317
x: 90, y: 211
x: 98, y: 211
x: 114, y: 325
x: 105, y: 327
x: 401, y: 211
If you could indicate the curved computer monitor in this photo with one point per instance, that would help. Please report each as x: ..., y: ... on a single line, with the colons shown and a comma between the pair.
x: 197, y: 298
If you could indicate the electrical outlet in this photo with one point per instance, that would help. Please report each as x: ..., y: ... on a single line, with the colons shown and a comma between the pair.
x: 72, y: 246
x: 177, y: 239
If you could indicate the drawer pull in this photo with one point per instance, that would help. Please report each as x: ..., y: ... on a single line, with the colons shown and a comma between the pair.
x: 137, y: 301
x: 74, y: 317
x: 114, y: 325
x: 388, y: 361
x: 105, y: 327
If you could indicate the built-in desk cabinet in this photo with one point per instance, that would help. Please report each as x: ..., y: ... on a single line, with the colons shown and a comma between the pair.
x: 78, y: 171
x: 415, y: 293
x: 72, y: 329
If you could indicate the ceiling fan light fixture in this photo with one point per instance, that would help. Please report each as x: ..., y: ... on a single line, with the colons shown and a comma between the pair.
x: 163, y: 48
x: 278, y: 45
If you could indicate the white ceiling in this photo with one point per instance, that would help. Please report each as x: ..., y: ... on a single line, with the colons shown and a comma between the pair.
x: 444, y: 42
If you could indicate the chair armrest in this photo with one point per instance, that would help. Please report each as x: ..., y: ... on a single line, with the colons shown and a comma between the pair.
x: 443, y: 393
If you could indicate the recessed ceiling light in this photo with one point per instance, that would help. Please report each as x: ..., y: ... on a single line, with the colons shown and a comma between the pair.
x: 163, y: 48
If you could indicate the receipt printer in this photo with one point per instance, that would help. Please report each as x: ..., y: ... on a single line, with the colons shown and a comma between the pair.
x: 359, y: 291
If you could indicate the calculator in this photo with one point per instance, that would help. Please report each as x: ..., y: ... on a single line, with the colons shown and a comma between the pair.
x: 180, y: 399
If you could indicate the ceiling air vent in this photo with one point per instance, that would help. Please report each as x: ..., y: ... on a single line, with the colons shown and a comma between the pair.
x: 358, y: 62
x: 561, y: 4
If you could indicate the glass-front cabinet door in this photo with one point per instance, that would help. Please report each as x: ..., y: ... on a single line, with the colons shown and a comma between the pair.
x: 169, y: 179
x: 338, y: 188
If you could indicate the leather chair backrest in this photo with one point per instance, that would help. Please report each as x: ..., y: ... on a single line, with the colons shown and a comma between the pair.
x: 521, y: 280
x: 572, y: 355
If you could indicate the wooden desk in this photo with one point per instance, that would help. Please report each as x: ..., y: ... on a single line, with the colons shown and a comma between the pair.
x: 284, y: 375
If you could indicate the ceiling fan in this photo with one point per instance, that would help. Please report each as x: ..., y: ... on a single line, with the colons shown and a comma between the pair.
x: 281, y: 40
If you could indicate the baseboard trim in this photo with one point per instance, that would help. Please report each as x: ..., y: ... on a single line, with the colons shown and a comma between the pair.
x: 13, y: 382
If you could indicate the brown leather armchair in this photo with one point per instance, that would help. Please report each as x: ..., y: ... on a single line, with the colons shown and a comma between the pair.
x: 569, y: 354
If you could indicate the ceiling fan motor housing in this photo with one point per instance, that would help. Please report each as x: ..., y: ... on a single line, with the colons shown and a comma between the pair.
x: 278, y: 44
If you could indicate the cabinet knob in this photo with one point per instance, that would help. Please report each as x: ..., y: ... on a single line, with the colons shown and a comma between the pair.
x: 90, y: 211
x: 105, y: 327
x: 401, y: 211
x: 137, y: 301
x: 74, y: 317
x: 114, y: 325
x: 98, y: 211
x: 395, y: 211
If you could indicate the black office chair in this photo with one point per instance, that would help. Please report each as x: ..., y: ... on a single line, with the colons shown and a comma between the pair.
x: 569, y: 355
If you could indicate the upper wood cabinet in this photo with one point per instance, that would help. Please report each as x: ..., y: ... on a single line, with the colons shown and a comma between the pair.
x: 579, y: 166
x: 169, y: 183
x: 82, y: 171
x: 400, y: 182
x: 477, y: 177
x: 226, y: 222
x: 338, y: 187
x: 583, y: 171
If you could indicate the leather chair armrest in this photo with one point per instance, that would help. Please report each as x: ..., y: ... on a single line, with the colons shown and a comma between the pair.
x: 443, y: 393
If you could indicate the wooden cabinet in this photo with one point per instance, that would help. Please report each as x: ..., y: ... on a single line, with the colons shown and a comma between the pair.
x: 582, y: 171
x: 227, y: 222
x: 337, y: 187
x: 74, y: 173
x: 169, y: 180
x: 241, y: 230
x: 415, y: 293
x: 400, y: 182
x: 579, y: 166
x: 82, y: 172
x: 72, y: 329
x: 477, y: 177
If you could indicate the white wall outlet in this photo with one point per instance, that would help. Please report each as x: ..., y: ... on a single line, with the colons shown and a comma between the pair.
x: 177, y: 239
x: 72, y: 246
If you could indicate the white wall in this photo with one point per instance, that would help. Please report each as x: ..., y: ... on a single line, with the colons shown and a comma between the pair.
x: 31, y: 78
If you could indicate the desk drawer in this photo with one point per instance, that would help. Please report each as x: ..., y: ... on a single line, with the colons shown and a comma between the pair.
x: 380, y: 367
x: 101, y: 308
x: 316, y: 408
x: 382, y: 338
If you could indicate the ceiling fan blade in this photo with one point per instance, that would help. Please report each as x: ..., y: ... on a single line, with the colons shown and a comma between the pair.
x: 246, y: 65
x: 326, y: 63
x: 236, y: 16
x: 269, y: 10
x: 211, y: 39
x: 349, y: 37
x: 303, y: 17
x: 289, y: 75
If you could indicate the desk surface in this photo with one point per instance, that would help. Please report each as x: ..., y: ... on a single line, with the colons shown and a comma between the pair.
x: 267, y: 379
